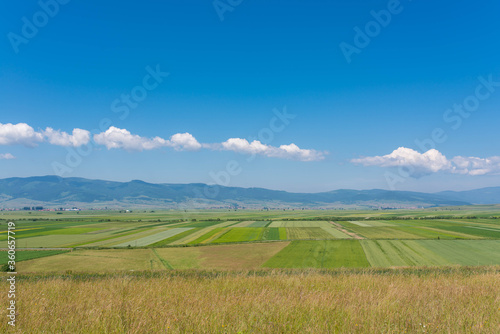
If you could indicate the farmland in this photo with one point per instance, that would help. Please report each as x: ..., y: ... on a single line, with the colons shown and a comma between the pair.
x: 29, y: 255
x: 320, y: 254
x: 113, y: 241
x: 258, y: 271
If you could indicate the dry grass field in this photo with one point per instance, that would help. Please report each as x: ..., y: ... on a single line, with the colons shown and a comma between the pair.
x: 445, y: 300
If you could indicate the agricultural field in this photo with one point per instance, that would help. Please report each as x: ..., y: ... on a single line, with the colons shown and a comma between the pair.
x: 298, y: 233
x: 157, y: 237
x: 294, y: 254
x: 372, y: 223
x: 102, y: 260
x: 388, y: 253
x: 254, y: 272
x: 220, y: 257
x: 29, y: 255
x: 241, y: 234
x: 113, y: 241
x: 320, y: 254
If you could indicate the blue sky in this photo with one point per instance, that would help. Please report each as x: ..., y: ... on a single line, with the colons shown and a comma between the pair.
x: 351, y: 114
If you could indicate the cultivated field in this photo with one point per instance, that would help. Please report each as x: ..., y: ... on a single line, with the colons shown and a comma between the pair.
x: 426, y: 271
x: 106, y: 241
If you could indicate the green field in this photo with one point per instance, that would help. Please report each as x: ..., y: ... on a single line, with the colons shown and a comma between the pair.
x: 476, y: 231
x: 241, y: 234
x: 372, y: 223
x: 388, y: 253
x: 393, y: 253
x: 298, y: 254
x: 52, y: 241
x: 466, y: 252
x: 320, y: 254
x: 320, y: 239
x: 273, y: 233
x: 383, y: 233
x: 29, y: 255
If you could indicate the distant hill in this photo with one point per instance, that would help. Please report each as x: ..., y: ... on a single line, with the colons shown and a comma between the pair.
x: 53, y: 191
x: 490, y: 195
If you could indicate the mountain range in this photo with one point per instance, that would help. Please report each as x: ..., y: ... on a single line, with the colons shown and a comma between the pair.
x: 54, y: 191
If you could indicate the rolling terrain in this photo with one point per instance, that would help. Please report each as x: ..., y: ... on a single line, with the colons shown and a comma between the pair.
x: 53, y: 191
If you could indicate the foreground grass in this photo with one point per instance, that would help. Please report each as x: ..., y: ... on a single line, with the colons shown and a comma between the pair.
x: 454, y: 300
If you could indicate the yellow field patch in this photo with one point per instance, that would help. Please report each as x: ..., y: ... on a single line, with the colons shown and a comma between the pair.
x: 245, y: 223
x: 241, y: 256
x: 236, y: 257
x: 103, y: 260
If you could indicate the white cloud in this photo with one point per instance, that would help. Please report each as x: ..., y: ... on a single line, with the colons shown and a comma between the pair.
x: 23, y: 134
x: 116, y: 138
x: 291, y: 151
x: 6, y: 156
x: 19, y: 134
x: 421, y: 163
x: 184, y: 141
x: 122, y: 138
x: 243, y: 146
x: 432, y: 161
x: 78, y: 138
x: 476, y: 166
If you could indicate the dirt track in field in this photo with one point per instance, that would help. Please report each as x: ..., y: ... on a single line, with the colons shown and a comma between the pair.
x: 342, y: 229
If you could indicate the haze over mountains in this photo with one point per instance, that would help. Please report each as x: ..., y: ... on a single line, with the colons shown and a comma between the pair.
x: 54, y: 191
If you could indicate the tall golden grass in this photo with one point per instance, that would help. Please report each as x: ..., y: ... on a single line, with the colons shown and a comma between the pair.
x: 450, y: 300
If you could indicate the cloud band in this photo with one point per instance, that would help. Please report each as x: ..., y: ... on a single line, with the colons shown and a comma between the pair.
x: 433, y: 161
